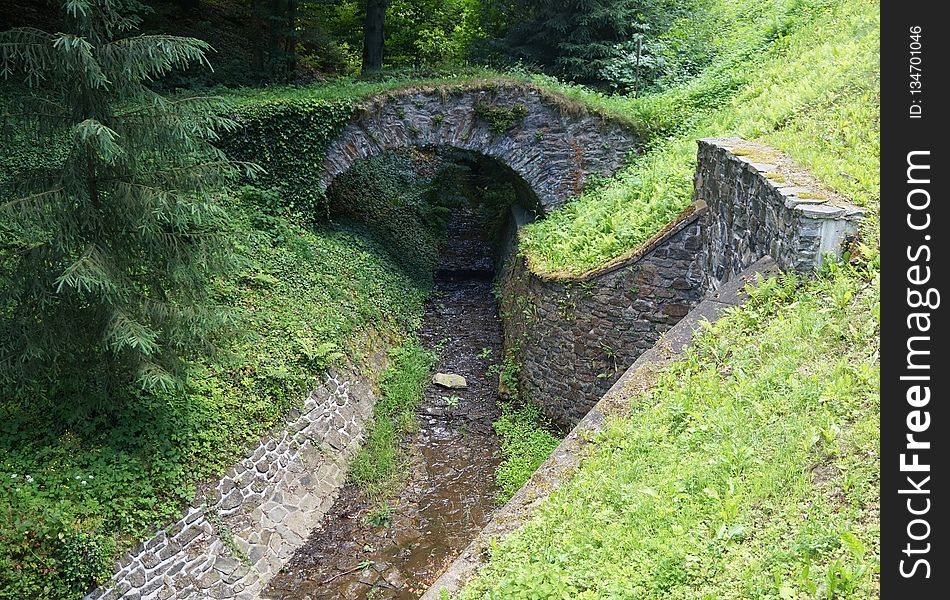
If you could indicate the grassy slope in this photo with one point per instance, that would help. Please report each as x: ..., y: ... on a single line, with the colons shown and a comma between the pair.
x: 751, y: 470
x: 118, y: 472
x: 800, y: 75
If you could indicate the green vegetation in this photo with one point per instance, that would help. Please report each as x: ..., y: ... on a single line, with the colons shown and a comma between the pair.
x: 813, y: 93
x: 749, y: 471
x: 80, y: 481
x: 610, y: 44
x: 525, y: 443
x: 500, y: 119
x: 526, y: 436
x: 403, y: 198
x: 378, y: 464
x: 104, y: 258
x: 288, y: 140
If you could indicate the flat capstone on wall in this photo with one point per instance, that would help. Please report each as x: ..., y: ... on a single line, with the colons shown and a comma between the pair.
x: 761, y: 205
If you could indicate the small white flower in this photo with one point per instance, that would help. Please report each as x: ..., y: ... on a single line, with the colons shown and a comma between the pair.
x: 84, y: 482
x: 29, y: 479
x: 78, y: 477
x: 13, y: 476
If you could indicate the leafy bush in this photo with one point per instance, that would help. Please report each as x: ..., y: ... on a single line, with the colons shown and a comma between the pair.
x: 526, y: 435
x: 289, y: 139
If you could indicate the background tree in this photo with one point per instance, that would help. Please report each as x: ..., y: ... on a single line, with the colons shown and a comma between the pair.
x: 606, y: 43
x: 276, y: 28
x: 107, y: 256
x: 373, y: 32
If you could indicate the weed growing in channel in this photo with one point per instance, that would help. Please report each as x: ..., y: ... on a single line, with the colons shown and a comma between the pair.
x: 525, y: 434
x: 377, y: 466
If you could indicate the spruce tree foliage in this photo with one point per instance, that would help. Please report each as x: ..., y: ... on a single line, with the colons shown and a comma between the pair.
x: 105, y: 258
x: 585, y: 40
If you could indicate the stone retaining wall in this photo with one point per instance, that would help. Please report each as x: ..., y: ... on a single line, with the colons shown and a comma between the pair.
x: 573, y: 337
x: 245, y: 528
x: 761, y: 205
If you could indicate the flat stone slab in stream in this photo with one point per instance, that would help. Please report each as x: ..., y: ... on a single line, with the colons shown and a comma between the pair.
x: 450, y: 380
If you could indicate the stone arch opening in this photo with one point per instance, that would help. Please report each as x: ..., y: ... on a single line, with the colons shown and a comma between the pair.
x: 412, y: 198
x: 553, y: 144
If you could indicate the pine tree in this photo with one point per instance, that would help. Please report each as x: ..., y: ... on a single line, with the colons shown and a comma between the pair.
x: 105, y: 259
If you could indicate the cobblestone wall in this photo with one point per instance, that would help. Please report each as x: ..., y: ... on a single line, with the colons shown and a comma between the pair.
x: 245, y: 528
x: 574, y: 337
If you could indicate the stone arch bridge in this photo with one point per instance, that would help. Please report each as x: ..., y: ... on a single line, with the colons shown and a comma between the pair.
x: 553, y: 143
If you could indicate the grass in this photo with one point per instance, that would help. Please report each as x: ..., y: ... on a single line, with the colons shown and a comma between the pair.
x: 812, y: 93
x: 525, y: 444
x: 79, y: 484
x: 354, y: 88
x: 378, y: 464
x: 749, y: 471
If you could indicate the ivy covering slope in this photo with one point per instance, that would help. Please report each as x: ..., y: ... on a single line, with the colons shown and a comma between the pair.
x: 79, y: 483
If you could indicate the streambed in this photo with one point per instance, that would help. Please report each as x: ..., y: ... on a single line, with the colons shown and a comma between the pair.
x: 450, y: 491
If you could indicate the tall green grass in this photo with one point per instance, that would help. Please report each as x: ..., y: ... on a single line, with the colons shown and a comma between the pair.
x: 801, y: 75
x: 378, y: 463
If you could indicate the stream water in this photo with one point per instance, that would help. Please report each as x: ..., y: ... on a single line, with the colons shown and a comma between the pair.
x: 450, y: 491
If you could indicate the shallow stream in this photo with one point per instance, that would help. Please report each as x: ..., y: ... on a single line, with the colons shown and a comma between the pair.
x: 450, y: 491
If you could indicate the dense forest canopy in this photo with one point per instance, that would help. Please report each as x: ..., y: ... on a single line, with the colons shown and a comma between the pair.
x: 615, y: 45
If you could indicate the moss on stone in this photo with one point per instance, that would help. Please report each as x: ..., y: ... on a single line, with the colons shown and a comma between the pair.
x: 500, y: 119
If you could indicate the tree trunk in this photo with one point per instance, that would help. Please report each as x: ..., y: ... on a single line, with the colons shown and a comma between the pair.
x: 373, y: 35
x: 290, y: 41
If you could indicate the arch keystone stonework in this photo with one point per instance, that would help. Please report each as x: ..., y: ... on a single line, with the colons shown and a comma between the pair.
x: 549, y: 141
